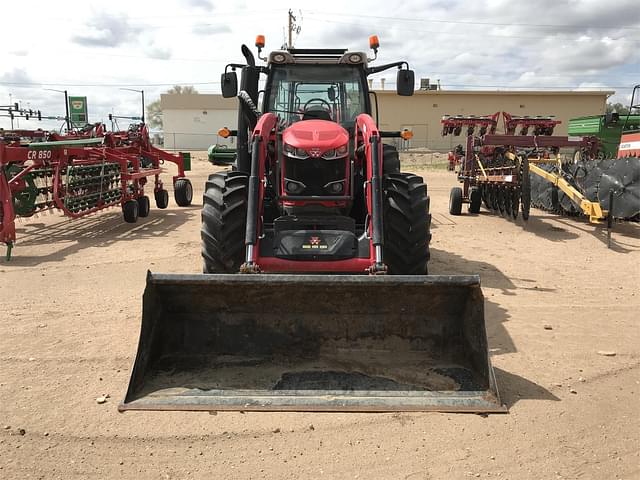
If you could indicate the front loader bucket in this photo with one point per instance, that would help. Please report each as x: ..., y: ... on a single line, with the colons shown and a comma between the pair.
x: 313, y: 343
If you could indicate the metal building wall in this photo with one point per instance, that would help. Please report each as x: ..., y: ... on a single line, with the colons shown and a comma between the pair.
x: 422, y: 112
x: 191, y: 122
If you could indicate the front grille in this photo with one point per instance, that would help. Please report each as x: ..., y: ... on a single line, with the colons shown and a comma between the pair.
x: 315, y: 174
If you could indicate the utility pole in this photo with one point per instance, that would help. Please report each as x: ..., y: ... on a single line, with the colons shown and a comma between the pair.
x: 291, y: 20
x: 293, y: 28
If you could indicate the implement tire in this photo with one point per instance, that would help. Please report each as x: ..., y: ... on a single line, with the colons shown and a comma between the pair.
x: 475, y: 199
x: 407, y: 224
x: 183, y: 192
x: 224, y: 218
x: 455, y: 201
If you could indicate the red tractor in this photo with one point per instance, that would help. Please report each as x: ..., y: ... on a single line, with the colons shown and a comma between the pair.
x: 351, y: 321
x: 317, y: 184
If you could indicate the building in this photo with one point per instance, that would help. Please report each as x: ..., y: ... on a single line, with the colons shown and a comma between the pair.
x: 422, y: 112
x: 191, y: 121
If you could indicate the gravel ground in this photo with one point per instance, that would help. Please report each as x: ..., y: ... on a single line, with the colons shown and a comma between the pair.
x: 561, y: 313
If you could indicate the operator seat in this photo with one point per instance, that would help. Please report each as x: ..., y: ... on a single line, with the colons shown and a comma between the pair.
x: 316, y: 113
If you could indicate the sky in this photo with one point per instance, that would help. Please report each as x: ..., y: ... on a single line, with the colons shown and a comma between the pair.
x: 95, y: 49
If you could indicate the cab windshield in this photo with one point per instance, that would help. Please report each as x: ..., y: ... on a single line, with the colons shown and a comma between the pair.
x: 328, y: 92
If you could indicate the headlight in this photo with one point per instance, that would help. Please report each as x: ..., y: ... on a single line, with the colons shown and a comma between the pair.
x: 293, y: 187
x: 335, y: 188
x: 295, y: 152
x: 336, y: 152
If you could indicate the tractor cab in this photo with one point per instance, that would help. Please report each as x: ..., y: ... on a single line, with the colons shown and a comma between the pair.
x: 332, y: 88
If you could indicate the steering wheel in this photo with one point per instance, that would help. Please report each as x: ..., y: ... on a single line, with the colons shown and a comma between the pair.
x: 317, y: 100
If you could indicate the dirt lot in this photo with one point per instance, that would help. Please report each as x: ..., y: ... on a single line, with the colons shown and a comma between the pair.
x: 70, y: 309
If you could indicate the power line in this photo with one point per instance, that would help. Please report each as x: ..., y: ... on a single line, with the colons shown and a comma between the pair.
x: 431, y: 73
x: 37, y: 85
x: 460, y: 85
x: 435, y: 32
x: 470, y: 22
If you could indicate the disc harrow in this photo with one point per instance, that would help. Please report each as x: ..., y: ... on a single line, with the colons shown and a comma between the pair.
x: 83, y: 172
x: 597, y: 180
x: 496, y: 167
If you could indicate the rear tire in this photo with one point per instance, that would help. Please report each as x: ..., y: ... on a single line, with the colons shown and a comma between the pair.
x: 390, y: 159
x: 455, y: 201
x: 224, y: 218
x: 130, y: 211
x: 144, y: 206
x: 183, y: 192
x: 407, y: 224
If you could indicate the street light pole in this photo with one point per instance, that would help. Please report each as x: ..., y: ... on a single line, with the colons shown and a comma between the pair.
x: 11, y: 114
x: 66, y: 111
x: 141, y: 92
x: 67, y: 118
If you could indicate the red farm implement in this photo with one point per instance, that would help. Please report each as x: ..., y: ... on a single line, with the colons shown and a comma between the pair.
x: 83, y: 172
x: 494, y: 169
x: 453, y: 125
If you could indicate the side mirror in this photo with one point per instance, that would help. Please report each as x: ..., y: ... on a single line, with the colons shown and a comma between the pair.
x: 229, y: 84
x: 405, y: 82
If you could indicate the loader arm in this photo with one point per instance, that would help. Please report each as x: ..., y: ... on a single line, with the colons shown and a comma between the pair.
x: 261, y: 137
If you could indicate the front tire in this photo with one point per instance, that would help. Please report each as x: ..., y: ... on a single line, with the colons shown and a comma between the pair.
x: 224, y: 218
x: 407, y: 223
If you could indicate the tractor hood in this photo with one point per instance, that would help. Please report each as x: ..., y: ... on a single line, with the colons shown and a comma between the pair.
x: 315, y: 136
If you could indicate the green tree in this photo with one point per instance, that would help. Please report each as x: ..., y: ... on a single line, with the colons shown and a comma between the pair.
x: 154, y: 111
x: 617, y: 107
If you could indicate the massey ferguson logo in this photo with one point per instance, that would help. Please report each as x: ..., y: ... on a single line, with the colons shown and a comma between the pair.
x: 314, y: 243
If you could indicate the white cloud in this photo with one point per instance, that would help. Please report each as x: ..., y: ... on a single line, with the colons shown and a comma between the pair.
x: 190, y: 42
x: 211, y: 28
x: 204, y: 4
x: 107, y: 30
